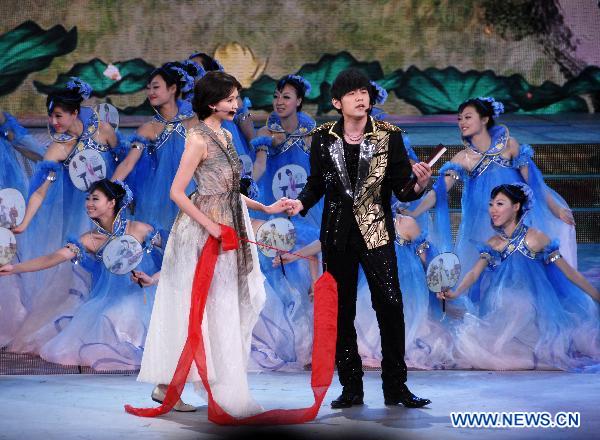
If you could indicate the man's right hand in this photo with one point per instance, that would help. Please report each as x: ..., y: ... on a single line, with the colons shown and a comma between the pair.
x: 295, y: 207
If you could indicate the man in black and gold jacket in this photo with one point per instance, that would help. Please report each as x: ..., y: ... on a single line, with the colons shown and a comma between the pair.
x: 356, y: 163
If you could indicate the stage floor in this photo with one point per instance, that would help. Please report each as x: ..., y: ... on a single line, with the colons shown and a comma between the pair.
x: 91, y: 407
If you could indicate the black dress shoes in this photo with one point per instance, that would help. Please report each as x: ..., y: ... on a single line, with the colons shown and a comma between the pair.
x: 405, y: 397
x: 348, y: 399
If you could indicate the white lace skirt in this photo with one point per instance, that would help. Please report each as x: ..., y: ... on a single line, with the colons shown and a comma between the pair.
x: 227, y: 324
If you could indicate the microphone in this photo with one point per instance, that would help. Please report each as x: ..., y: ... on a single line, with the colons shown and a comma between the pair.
x: 216, y: 110
x: 431, y: 160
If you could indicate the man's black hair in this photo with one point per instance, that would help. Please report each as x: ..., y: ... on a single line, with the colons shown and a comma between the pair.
x: 349, y: 80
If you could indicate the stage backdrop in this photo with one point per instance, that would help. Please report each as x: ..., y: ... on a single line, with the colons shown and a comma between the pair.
x: 538, y: 56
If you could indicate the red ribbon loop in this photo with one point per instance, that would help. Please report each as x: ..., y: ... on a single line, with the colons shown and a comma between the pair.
x: 323, y: 356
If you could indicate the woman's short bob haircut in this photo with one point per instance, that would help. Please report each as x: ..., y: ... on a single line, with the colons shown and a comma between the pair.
x: 210, y: 89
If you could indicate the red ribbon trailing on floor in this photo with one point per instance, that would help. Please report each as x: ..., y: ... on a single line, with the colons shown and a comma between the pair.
x: 323, y: 355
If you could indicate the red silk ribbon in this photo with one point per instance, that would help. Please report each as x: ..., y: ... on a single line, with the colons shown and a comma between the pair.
x: 323, y: 355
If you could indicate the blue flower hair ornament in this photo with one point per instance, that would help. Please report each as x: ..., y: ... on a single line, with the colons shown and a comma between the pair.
x: 530, y: 199
x: 527, y: 191
x: 194, y: 69
x: 81, y: 87
x: 497, y: 106
x: 305, y: 84
x: 185, y: 79
x: 128, y: 197
x: 382, y: 93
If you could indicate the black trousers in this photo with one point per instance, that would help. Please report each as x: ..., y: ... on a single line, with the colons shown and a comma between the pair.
x: 379, y: 266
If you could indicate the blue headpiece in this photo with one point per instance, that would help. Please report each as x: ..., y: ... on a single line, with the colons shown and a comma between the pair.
x: 80, y: 87
x: 303, y: 81
x: 382, y: 93
x: 497, y: 106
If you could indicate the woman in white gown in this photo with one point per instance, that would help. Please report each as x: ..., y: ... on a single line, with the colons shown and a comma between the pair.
x: 236, y: 294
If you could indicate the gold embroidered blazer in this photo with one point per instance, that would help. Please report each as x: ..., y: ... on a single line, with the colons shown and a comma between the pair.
x: 383, y: 168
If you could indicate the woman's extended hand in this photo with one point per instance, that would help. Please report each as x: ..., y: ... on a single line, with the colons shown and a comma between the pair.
x: 7, y: 269
x: 284, y: 259
x: 566, y: 215
x: 281, y: 205
x: 214, y: 229
x: 19, y: 229
x: 141, y: 277
x: 447, y: 294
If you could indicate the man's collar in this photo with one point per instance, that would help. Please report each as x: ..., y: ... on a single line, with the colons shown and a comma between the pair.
x: 337, y: 129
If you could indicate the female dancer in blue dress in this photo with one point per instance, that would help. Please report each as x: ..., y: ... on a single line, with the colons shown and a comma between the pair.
x: 73, y: 129
x: 157, y: 146
x: 491, y: 157
x: 534, y: 311
x: 108, y: 331
x: 282, y: 337
x: 54, y: 209
x: 12, y: 175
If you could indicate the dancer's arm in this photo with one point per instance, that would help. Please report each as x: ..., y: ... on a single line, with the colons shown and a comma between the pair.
x: 275, y: 208
x: 537, y: 241
x: 107, y: 133
x: 468, y: 281
x: 244, y: 119
x: 260, y: 162
x: 143, y: 231
x: 138, y: 145
x: 126, y: 167
x: 141, y: 277
x: 307, y: 251
x: 560, y: 212
x: 577, y: 278
x: 39, y: 263
x: 20, y: 138
x: 430, y: 199
x: 55, y: 153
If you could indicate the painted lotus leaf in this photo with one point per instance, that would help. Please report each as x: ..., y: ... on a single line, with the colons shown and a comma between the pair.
x: 391, y: 81
x: 320, y: 75
x: 28, y: 48
x: 573, y: 104
x: 261, y: 93
x: 435, y: 91
x: 134, y: 74
x: 588, y: 81
x: 528, y: 97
